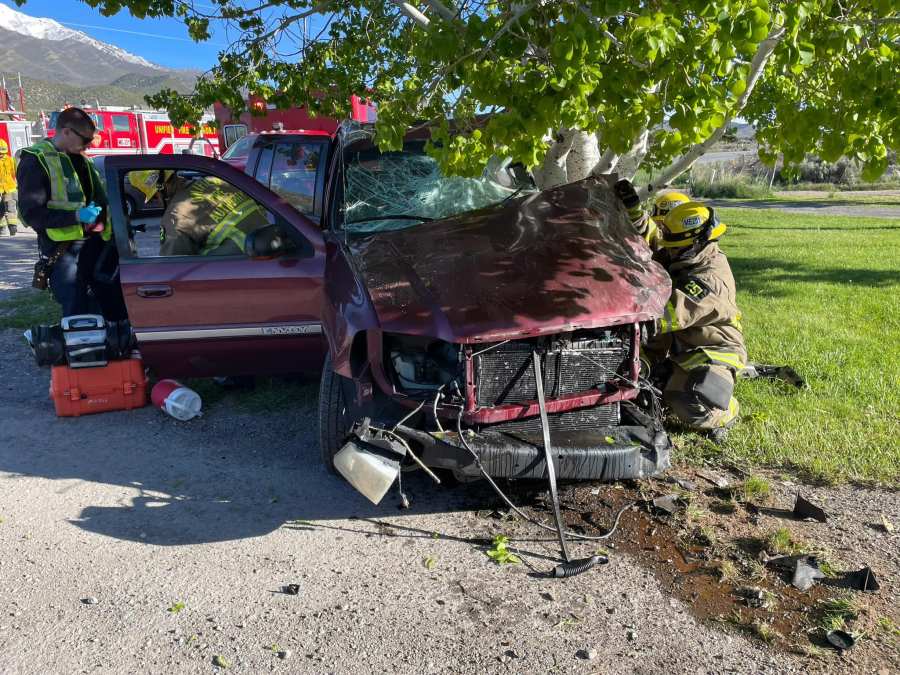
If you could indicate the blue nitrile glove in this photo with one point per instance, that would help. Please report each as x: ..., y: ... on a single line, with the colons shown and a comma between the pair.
x: 87, y: 215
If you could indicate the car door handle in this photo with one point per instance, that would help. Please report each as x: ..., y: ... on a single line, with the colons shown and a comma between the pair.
x: 154, y: 291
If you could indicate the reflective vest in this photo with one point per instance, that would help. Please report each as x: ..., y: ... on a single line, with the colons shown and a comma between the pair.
x: 229, y: 228
x: 66, y: 193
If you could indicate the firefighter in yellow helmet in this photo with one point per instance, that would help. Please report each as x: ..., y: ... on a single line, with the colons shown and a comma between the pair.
x: 698, y: 340
x: 647, y: 224
x: 9, y: 217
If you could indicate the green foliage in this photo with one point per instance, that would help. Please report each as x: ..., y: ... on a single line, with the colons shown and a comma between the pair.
x: 782, y: 542
x: 729, y: 187
x: 26, y: 308
x: 176, y: 607
x: 837, y: 613
x: 828, y: 82
x: 755, y: 488
x: 500, y: 553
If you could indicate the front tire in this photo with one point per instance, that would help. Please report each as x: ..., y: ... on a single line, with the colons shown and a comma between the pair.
x: 335, y: 417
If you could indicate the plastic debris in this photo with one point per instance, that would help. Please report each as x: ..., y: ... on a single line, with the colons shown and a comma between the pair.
x: 292, y: 589
x: 804, y: 509
x: 863, y: 580
x: 670, y: 504
x: 840, y: 639
x: 806, y: 572
x: 715, y: 479
x: 886, y: 524
x: 685, y: 484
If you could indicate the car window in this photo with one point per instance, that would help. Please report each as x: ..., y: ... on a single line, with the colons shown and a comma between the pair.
x: 98, y: 121
x: 240, y: 149
x: 233, y: 133
x: 121, y: 123
x: 294, y: 171
x: 264, y: 166
x: 203, y: 215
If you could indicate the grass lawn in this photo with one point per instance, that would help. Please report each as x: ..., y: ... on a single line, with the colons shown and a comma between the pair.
x: 822, y: 294
x: 28, y: 307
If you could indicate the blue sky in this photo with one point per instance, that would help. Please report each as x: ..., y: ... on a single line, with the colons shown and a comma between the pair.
x: 162, y: 41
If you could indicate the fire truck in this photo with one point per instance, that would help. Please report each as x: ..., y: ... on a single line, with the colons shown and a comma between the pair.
x: 128, y: 131
x: 16, y: 132
x: 266, y: 117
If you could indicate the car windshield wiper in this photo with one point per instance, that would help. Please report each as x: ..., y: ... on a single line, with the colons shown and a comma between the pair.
x: 421, y: 219
x: 511, y: 195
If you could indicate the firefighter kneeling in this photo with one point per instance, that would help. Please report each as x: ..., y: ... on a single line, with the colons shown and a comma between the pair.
x: 698, y: 340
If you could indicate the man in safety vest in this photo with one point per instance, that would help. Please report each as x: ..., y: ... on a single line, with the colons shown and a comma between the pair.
x: 204, y: 216
x: 698, y: 343
x: 61, y: 196
x: 9, y: 219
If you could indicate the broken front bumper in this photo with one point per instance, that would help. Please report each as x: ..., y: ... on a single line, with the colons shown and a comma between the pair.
x: 613, y: 453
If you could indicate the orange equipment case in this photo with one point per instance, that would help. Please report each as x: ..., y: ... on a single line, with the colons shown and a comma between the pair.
x: 119, y: 385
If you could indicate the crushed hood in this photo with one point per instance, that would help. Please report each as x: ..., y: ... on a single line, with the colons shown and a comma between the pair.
x: 558, y: 260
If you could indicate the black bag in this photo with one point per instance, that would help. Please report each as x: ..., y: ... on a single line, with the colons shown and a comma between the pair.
x: 48, y: 345
x: 43, y: 267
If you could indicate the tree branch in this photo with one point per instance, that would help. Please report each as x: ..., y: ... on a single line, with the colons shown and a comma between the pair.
x: 686, y: 161
x: 413, y: 13
x: 607, y: 163
x: 442, y: 10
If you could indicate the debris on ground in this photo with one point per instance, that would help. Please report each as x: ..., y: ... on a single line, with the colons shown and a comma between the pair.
x: 862, y: 580
x: 713, y: 478
x: 804, y: 509
x: 670, y: 504
x: 885, y: 523
x: 220, y: 661
x: 291, y: 589
x: 840, y: 640
x: 90, y: 600
x: 806, y: 572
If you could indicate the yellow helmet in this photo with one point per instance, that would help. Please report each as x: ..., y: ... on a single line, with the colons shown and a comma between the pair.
x: 148, y: 182
x: 667, y: 201
x: 4, y: 147
x: 688, y: 223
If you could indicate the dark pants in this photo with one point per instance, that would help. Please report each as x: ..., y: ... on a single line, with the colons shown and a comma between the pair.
x: 77, y: 288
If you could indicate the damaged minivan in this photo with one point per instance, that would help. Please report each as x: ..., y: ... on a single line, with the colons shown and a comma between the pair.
x: 475, y: 325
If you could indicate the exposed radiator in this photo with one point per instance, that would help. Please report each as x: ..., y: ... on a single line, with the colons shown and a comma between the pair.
x: 504, y: 375
x: 581, y: 419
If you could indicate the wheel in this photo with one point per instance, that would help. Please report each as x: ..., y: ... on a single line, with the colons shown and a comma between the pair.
x: 130, y: 206
x: 335, y: 416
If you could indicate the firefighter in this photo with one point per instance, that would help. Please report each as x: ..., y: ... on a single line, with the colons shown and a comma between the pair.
x: 206, y: 216
x: 647, y: 224
x: 698, y: 340
x: 62, y: 198
x: 9, y: 219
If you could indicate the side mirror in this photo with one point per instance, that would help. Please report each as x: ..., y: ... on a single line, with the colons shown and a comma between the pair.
x: 268, y: 242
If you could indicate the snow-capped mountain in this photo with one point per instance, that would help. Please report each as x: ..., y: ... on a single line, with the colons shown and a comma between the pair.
x: 44, y: 49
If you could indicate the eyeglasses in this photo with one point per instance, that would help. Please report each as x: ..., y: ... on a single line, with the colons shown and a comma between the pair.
x: 86, y: 139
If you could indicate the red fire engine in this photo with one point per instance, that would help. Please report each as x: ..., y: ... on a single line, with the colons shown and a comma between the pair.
x: 126, y: 131
x: 16, y: 132
x: 267, y: 118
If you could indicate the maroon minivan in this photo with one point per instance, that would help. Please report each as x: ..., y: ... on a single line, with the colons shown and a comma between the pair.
x: 433, y: 305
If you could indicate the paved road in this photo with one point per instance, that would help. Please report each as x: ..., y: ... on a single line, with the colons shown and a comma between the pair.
x: 825, y: 207
x: 17, y: 257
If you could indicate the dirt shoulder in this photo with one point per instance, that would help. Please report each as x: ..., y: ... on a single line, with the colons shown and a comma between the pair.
x: 141, y: 513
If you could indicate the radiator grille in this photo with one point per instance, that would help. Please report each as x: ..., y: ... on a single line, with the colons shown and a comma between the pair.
x: 504, y: 375
x: 582, y: 419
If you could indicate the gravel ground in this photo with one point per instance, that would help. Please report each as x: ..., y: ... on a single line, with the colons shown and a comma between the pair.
x: 130, y: 541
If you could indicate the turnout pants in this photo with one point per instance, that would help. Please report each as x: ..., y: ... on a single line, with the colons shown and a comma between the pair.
x: 9, y: 212
x: 702, y: 397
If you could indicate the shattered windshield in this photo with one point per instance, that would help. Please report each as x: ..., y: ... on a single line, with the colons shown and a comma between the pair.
x: 395, y: 190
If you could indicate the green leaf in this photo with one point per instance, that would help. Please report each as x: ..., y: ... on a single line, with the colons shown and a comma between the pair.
x: 176, y: 607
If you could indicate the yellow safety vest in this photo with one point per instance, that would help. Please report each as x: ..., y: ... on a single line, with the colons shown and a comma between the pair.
x: 229, y: 228
x: 66, y: 193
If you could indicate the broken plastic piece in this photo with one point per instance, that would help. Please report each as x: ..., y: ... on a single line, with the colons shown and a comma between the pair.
x: 670, y: 504
x: 292, y: 589
x: 863, y: 580
x: 752, y: 595
x: 805, y: 509
x: 716, y: 480
x: 840, y: 639
x: 806, y: 572
x: 685, y: 484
